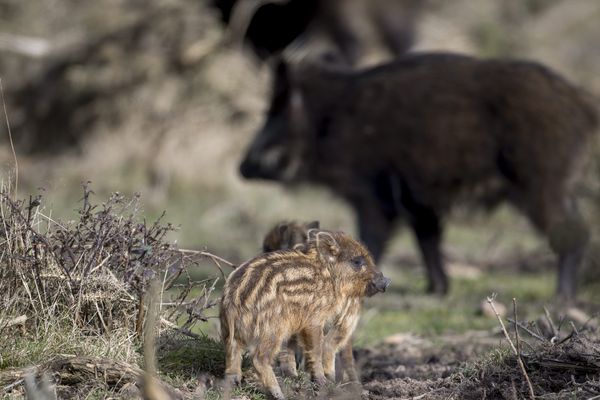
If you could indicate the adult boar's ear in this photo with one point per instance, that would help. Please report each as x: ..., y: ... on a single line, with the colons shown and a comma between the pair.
x: 327, y: 246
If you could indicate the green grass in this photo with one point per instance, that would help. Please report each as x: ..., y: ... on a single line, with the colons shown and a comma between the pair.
x: 405, y: 308
x: 187, y: 356
x: 59, y: 339
x: 233, y: 228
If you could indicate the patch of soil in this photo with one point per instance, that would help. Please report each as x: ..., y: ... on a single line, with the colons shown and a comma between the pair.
x: 465, y: 367
x: 406, y: 365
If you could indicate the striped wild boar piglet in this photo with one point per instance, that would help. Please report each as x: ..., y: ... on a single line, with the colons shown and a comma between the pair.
x: 277, y: 295
x: 284, y: 236
x: 293, y: 235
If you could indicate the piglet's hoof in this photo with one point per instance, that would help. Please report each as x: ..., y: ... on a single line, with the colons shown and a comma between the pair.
x: 233, y: 379
x: 352, y: 386
x: 289, y: 371
x: 320, y: 380
x: 277, y: 394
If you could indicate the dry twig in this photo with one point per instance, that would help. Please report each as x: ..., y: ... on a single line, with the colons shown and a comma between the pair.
x: 490, y: 301
x: 529, y: 331
x: 552, y: 326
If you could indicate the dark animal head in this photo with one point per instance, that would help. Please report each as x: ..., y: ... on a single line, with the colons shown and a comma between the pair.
x: 301, y: 100
x: 269, y: 26
x: 277, y: 151
x: 351, y: 263
x: 288, y: 235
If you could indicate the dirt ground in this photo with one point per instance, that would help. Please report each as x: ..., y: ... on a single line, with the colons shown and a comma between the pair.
x: 406, y: 366
x: 472, y: 365
x: 138, y: 97
x: 414, y: 368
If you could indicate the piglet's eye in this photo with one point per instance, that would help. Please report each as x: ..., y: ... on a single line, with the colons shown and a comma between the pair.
x: 357, y: 262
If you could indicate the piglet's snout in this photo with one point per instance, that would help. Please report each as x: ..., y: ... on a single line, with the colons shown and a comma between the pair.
x: 381, y: 283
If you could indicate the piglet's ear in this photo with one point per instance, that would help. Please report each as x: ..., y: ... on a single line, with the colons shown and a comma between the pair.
x: 327, y: 246
x: 312, y: 225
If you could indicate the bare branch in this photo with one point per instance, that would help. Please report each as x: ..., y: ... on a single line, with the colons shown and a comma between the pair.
x: 490, y: 301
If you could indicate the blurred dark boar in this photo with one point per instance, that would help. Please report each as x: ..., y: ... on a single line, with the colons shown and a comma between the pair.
x: 277, y: 295
x: 352, y: 26
x: 412, y: 137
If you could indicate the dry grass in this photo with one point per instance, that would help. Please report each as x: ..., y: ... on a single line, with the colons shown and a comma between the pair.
x: 568, y: 368
x: 78, y: 288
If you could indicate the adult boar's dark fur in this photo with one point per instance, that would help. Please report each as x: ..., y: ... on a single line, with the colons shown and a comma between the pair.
x: 412, y: 137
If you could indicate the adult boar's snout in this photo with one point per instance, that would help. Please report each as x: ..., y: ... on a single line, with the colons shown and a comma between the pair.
x: 249, y: 169
x: 264, y: 159
x: 270, y: 164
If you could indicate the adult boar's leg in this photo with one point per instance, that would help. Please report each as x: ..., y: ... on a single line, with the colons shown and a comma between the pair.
x: 428, y: 231
x: 377, y: 203
x: 568, y: 237
x: 426, y: 226
x: 374, y: 226
x: 568, y: 264
x: 377, y: 213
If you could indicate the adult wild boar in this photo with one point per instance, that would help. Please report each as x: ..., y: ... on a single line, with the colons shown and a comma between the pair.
x: 412, y: 137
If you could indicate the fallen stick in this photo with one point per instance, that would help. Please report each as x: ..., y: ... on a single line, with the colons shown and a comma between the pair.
x: 20, y: 320
x: 75, y: 370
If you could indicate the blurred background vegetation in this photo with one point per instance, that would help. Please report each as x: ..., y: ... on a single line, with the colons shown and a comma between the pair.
x: 139, y: 96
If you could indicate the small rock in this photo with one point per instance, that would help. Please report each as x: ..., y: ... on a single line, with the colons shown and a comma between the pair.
x: 463, y: 271
x: 486, y: 309
x: 580, y: 317
x: 130, y: 391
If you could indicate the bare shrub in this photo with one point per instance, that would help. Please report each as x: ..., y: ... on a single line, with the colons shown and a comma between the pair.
x: 89, y: 276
